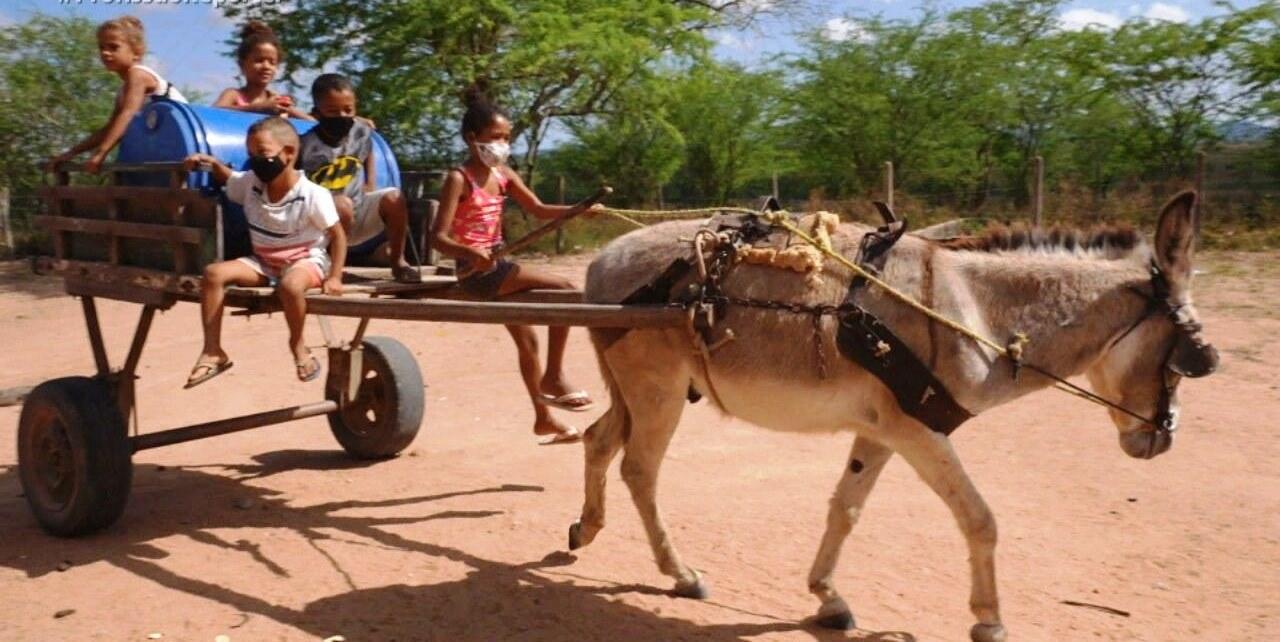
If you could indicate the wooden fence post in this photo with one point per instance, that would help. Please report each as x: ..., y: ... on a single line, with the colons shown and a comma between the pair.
x: 1201, y: 158
x: 5, y: 221
x: 888, y: 183
x: 775, y: 185
x: 1037, y: 203
x: 560, y: 230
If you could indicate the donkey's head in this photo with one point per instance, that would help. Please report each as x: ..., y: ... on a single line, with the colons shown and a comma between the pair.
x: 1142, y: 367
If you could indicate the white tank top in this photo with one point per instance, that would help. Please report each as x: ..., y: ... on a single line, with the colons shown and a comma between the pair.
x: 164, y: 88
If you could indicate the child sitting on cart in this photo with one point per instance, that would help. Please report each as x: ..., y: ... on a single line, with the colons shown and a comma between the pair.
x: 338, y: 154
x: 469, y: 229
x: 291, y: 220
x: 121, y: 45
x: 258, y: 55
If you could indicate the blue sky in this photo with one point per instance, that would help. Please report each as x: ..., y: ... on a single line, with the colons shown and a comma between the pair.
x: 185, y: 41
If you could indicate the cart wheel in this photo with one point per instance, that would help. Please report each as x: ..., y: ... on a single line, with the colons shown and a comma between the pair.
x: 383, y: 417
x: 74, y: 456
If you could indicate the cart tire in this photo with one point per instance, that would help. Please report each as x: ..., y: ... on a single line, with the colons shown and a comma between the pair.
x: 385, y: 414
x: 74, y: 456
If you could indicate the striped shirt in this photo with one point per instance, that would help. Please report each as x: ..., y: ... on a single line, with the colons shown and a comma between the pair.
x: 292, y: 226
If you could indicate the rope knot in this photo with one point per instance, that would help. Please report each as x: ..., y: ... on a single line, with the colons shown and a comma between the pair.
x: 1015, y: 349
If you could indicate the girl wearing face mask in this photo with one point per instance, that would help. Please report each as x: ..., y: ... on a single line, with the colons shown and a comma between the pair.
x: 259, y: 56
x: 469, y: 229
x: 121, y: 45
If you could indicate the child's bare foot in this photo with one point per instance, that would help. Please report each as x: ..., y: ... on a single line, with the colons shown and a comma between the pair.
x: 207, y: 367
x: 557, y: 393
x: 560, y: 433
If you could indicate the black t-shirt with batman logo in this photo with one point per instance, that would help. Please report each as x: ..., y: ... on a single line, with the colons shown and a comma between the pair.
x: 339, y: 168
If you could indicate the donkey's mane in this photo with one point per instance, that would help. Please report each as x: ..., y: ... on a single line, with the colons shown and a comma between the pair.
x: 1101, y: 241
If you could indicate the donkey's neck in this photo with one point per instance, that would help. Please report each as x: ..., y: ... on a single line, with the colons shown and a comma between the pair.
x: 1069, y: 308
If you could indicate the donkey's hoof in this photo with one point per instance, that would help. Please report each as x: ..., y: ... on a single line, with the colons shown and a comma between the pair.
x: 695, y: 590
x: 987, y: 633
x: 839, y: 621
x: 575, y: 536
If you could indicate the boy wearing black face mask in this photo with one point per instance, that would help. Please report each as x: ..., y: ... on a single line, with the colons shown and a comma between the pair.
x: 291, y: 220
x: 338, y: 154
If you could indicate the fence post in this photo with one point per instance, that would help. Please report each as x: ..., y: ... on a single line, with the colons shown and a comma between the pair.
x: 1037, y: 203
x: 662, y: 201
x: 775, y: 184
x: 888, y: 184
x: 5, y: 221
x: 1201, y: 157
x: 560, y: 230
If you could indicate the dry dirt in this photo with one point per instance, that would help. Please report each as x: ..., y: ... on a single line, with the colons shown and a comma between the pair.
x: 274, y: 535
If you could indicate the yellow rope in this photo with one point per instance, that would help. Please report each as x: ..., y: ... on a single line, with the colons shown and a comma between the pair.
x: 674, y: 213
x: 780, y: 219
x: 616, y: 214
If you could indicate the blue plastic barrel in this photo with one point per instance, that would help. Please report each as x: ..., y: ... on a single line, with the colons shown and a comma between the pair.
x: 167, y: 131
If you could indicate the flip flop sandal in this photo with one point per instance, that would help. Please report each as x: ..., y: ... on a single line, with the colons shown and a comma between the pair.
x: 570, y: 436
x: 311, y: 361
x: 564, y: 402
x: 406, y: 275
x: 211, y: 370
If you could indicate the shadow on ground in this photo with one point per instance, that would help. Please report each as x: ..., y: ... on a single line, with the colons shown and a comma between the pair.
x: 495, y: 600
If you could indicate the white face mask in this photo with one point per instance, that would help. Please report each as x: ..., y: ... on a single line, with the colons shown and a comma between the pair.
x: 493, y: 154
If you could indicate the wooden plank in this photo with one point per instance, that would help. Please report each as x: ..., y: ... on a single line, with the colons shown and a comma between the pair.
x: 185, y: 286
x: 107, y: 227
x: 78, y: 286
x: 371, y: 287
x: 124, y: 192
x: 528, y: 296
x: 553, y: 314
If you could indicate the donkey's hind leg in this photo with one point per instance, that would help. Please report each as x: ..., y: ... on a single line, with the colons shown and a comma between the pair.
x: 601, y: 444
x: 866, y: 461
x: 933, y: 458
x: 652, y: 374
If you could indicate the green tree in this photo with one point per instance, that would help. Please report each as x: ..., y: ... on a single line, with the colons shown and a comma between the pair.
x: 543, y: 60
x: 53, y: 92
x: 728, y: 118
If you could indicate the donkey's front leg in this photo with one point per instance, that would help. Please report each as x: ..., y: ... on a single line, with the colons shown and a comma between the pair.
x: 933, y: 458
x: 860, y: 473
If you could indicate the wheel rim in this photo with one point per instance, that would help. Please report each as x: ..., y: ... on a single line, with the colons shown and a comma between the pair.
x: 370, y: 412
x: 52, y: 460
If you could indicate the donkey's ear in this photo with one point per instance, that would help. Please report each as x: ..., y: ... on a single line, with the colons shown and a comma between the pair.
x: 1175, y: 237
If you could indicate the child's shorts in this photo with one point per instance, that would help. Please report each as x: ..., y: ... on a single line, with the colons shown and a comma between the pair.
x: 485, y: 285
x: 366, y: 223
x: 315, y: 261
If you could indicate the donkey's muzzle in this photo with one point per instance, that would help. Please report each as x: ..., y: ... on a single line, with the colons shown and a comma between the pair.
x: 1192, y: 357
x: 1146, y: 444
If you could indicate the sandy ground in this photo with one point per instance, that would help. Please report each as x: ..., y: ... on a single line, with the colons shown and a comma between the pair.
x: 274, y: 535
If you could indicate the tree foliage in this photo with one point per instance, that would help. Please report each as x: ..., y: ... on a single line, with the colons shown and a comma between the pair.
x: 53, y: 92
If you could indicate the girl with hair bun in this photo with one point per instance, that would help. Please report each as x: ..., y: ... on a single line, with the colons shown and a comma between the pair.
x: 468, y: 228
x: 121, y: 45
x: 259, y: 55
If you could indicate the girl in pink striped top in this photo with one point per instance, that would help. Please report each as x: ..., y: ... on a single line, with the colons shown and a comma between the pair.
x: 469, y: 229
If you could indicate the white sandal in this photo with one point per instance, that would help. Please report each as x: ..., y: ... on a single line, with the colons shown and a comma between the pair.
x: 565, y: 401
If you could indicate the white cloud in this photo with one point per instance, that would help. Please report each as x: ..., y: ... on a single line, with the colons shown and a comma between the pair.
x: 1081, y: 19
x: 842, y: 29
x: 1166, y: 12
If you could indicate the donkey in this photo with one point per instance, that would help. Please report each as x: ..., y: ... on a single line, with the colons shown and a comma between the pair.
x: 1087, y: 303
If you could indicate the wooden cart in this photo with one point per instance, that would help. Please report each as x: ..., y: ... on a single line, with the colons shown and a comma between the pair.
x: 149, y: 245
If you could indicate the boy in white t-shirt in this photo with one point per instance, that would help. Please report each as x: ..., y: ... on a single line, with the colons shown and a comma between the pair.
x: 291, y: 220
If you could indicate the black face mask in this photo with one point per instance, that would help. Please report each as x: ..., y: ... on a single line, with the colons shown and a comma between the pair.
x: 266, y: 168
x: 335, y: 128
